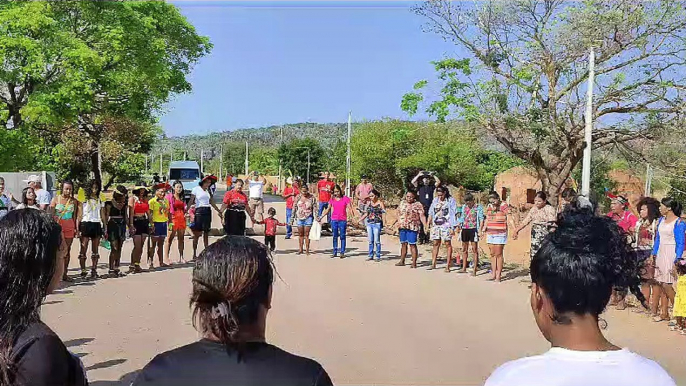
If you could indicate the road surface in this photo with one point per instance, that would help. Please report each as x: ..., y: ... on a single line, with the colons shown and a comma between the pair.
x: 367, y: 323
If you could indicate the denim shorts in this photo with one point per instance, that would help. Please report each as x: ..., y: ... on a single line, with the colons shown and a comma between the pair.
x: 305, y: 222
x: 497, y: 239
x: 408, y: 236
x: 160, y: 229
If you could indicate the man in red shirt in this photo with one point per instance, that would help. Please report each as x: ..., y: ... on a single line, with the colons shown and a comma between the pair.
x: 325, y: 188
x: 289, y: 194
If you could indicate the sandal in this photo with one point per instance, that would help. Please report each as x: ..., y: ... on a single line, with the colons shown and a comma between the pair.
x: 67, y: 279
x: 400, y: 264
x: 675, y: 328
x: 658, y: 319
x: 342, y: 256
x: 94, y: 274
x: 84, y: 273
x: 682, y: 332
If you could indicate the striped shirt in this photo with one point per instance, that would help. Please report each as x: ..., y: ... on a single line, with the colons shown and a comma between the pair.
x: 496, y: 219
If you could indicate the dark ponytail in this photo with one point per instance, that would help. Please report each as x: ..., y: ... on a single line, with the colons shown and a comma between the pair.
x: 231, y: 281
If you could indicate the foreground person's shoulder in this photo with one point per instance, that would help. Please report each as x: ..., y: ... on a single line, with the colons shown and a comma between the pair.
x: 42, y: 359
x: 305, y: 367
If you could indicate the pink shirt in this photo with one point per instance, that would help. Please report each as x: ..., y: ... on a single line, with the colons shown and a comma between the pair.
x: 363, y: 190
x: 338, y: 207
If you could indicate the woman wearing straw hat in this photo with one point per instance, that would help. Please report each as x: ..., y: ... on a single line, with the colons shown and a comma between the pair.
x: 202, y: 203
x: 139, y: 224
x: 160, y: 217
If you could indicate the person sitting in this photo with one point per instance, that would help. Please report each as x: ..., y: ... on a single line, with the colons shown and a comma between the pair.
x: 232, y: 295
x: 573, y: 275
x: 32, y: 252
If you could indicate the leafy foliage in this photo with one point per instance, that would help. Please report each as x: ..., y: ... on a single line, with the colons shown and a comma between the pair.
x: 83, y: 65
x: 391, y: 152
x: 295, y: 159
x: 524, y: 79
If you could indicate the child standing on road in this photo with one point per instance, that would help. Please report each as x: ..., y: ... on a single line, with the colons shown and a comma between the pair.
x: 680, y: 299
x: 270, y: 224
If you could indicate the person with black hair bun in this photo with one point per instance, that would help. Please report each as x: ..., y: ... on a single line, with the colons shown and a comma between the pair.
x: 668, y: 248
x: 572, y: 276
x: 231, y: 299
x: 32, y: 251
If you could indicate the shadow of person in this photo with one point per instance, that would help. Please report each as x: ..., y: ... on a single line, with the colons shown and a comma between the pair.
x: 124, y: 380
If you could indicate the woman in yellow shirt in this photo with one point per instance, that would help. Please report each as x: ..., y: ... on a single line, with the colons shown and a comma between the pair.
x: 160, y: 216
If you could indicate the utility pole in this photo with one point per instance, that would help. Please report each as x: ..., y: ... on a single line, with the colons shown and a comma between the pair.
x: 649, y: 180
x: 348, y: 160
x: 146, y: 163
x: 280, y: 144
x: 308, y: 165
x: 221, y: 162
x: 246, y: 159
x: 202, y: 161
x: 160, y: 165
x: 185, y: 155
x: 588, y: 132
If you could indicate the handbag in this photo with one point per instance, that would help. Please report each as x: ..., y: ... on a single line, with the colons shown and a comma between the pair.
x: 315, y: 231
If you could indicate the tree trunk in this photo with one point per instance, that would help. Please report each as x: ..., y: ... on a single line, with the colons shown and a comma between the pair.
x: 109, y: 183
x: 95, y: 163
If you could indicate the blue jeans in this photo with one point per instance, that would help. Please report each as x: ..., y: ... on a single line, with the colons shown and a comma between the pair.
x: 374, y: 235
x: 338, y: 229
x: 289, y: 229
x: 322, y: 206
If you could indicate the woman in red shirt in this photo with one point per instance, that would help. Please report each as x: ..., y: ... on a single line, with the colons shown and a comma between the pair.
x: 234, y: 207
x: 139, y: 225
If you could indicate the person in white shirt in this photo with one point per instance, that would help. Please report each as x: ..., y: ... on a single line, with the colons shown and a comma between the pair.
x: 43, y: 197
x: 201, y: 204
x: 256, y: 185
x: 572, y: 279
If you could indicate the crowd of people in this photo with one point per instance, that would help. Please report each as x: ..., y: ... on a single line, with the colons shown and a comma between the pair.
x: 616, y: 253
x: 154, y: 218
x: 577, y: 267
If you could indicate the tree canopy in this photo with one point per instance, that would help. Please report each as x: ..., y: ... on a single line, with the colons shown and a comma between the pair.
x: 524, y: 78
x: 84, y: 66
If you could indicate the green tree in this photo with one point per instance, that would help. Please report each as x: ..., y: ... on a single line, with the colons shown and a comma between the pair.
x: 294, y: 157
x: 524, y: 79
x: 391, y: 152
x: 82, y: 64
x: 265, y: 160
x: 234, y: 158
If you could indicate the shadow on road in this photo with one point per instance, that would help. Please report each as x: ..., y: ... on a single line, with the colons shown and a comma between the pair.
x: 78, y: 342
x: 125, y: 380
x: 105, y: 364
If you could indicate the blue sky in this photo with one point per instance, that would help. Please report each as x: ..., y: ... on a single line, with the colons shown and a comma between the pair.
x: 289, y: 62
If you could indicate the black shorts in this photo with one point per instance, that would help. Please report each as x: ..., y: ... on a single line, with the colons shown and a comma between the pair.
x: 270, y: 241
x: 141, y: 226
x: 91, y: 230
x: 116, y: 230
x: 469, y: 236
x: 202, y: 222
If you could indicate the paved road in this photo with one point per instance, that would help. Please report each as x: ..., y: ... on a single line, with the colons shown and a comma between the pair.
x: 366, y: 322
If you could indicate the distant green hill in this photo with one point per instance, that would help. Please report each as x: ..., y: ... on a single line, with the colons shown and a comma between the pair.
x: 328, y: 134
